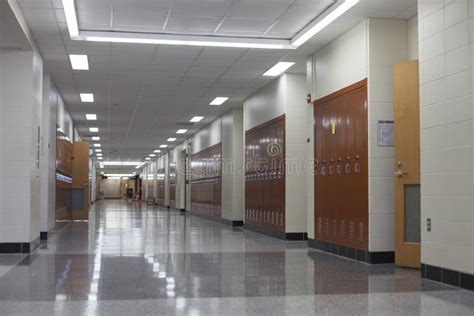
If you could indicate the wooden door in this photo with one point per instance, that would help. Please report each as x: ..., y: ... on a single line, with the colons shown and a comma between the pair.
x: 80, y: 181
x: 407, y: 164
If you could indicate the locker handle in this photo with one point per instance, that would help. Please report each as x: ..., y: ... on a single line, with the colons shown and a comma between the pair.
x: 331, y: 161
x: 348, y: 158
x: 339, y: 160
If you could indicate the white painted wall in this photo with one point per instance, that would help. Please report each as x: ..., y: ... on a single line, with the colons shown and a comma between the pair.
x: 286, y: 95
x: 48, y: 154
x: 413, y: 38
x: 446, y: 37
x: 296, y: 191
x: 388, y: 45
x: 20, y: 116
x: 175, y: 155
x: 341, y: 62
x: 64, y: 120
x: 209, y: 136
x: 233, y: 185
x: 265, y: 105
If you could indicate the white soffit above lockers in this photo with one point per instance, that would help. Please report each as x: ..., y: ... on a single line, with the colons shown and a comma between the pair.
x: 143, y: 93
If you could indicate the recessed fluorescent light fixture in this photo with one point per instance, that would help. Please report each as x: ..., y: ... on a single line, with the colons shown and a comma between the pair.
x: 168, y: 39
x: 181, y: 131
x: 91, y: 117
x: 71, y: 18
x: 100, y: 158
x: 196, y: 119
x: 98, y: 150
x: 96, y: 138
x: 122, y: 163
x: 336, y: 10
x: 140, y: 165
x: 147, y: 158
x: 79, y: 62
x: 163, y: 146
x: 93, y: 129
x: 99, y: 155
x: 310, y: 31
x: 278, y: 69
x: 171, y: 139
x: 157, y: 151
x: 101, y: 165
x: 152, y: 155
x: 97, y: 145
x: 87, y: 97
x: 219, y: 101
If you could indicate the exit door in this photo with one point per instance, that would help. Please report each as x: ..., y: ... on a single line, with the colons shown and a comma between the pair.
x: 407, y: 164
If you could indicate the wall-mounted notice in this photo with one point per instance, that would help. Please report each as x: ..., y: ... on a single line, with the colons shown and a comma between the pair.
x: 385, y: 134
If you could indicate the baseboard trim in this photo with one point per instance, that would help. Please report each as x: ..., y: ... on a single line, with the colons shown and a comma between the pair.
x: 232, y: 222
x: 216, y: 219
x: 19, y: 247
x: 276, y: 234
x: 446, y: 276
x: 353, y: 253
x: 43, y: 235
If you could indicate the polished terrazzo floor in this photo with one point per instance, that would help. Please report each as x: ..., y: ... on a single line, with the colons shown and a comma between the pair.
x: 130, y: 259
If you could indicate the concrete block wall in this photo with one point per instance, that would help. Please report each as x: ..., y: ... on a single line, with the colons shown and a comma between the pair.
x: 20, y: 116
x: 446, y: 43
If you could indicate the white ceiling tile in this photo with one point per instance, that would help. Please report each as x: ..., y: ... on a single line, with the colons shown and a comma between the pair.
x: 201, y: 8
x: 245, y: 25
x: 262, y: 11
x: 185, y: 24
x: 94, y: 19
x: 138, y: 20
x: 150, y: 6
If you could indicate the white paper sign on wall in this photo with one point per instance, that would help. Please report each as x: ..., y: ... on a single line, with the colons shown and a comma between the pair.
x: 385, y: 137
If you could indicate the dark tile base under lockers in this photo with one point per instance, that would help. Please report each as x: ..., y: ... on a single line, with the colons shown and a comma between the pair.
x: 454, y: 278
x: 353, y: 253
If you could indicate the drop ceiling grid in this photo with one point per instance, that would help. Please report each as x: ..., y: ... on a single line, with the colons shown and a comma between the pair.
x: 175, y: 82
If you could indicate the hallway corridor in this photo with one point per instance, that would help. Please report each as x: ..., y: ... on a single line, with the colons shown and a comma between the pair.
x: 135, y: 260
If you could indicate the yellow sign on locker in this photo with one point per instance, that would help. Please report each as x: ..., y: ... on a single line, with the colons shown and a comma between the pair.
x: 333, y: 128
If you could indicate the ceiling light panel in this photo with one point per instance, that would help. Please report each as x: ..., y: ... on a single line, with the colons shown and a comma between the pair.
x: 181, y: 131
x: 157, y: 151
x: 163, y: 146
x: 87, y: 97
x: 196, y: 119
x: 91, y: 117
x: 171, y: 139
x: 71, y: 18
x: 278, y: 69
x: 79, y: 62
x: 341, y: 7
x: 219, y: 101
x: 93, y: 129
x: 95, y: 138
x: 122, y: 163
x: 97, y: 145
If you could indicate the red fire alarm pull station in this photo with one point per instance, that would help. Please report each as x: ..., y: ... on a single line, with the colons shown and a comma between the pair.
x: 308, y: 99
